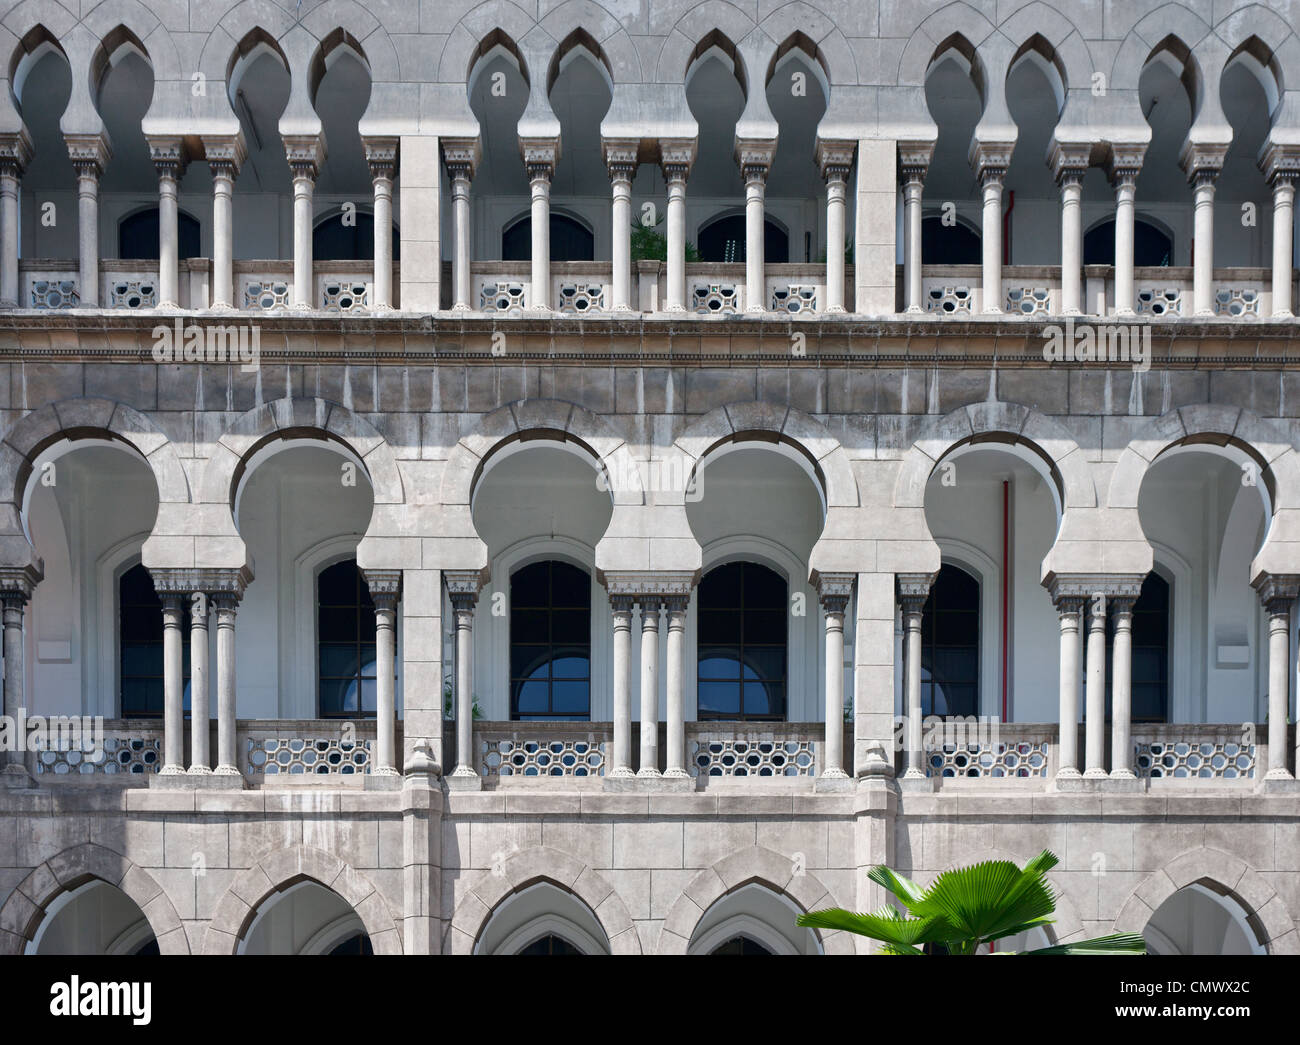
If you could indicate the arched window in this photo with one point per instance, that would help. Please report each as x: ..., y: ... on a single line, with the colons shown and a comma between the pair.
x: 550, y: 642
x: 332, y: 240
x: 550, y: 944
x: 742, y: 643
x: 570, y: 240
x: 345, y: 642
x: 137, y: 236
x: 723, y: 240
x: 741, y: 945
x: 950, y: 645
x: 358, y: 944
x: 140, y: 637
x: 1150, y: 652
x: 955, y: 244
x: 1151, y: 247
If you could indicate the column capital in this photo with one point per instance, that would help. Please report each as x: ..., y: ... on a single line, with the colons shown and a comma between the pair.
x: 89, y: 153
x: 1068, y: 605
x: 639, y: 584
x: 540, y: 155
x: 221, y: 583
x: 385, y: 587
x: 305, y: 153
x: 463, y: 586
x: 1202, y: 161
x: 914, y: 158
x: 914, y: 589
x: 834, y: 590
x: 169, y: 155
x: 461, y: 156
x: 622, y: 157
x: 676, y: 157
x: 225, y: 154
x: 18, y: 582
x: 834, y: 158
x: 1069, y: 161
x: 754, y: 157
x: 1123, y: 162
x: 1277, y: 590
x: 621, y: 604
x: 1280, y: 162
x: 1086, y: 585
x: 381, y: 156
x: 990, y: 160
x: 15, y: 152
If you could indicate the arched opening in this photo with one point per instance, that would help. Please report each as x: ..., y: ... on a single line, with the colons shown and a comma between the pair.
x: 41, y: 77
x: 743, y: 643
x: 498, y: 94
x: 550, y: 642
x: 1249, y: 93
x: 93, y: 918
x: 723, y: 240
x: 715, y: 93
x: 1035, y: 94
x: 304, y: 917
x: 580, y: 94
x: 1204, y: 918
x: 950, y: 645
x: 542, y: 919
x: 952, y: 242
x: 954, y: 93
x: 258, y: 86
x: 754, y: 919
x: 571, y: 239
x: 1166, y: 89
x: 137, y: 236
x: 345, y: 642
x: 348, y: 236
x: 795, y: 194
x: 140, y: 630
x: 1153, y: 247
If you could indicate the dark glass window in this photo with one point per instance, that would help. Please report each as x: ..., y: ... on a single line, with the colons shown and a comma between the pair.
x: 743, y: 616
x: 950, y: 645
x: 140, y: 645
x: 331, y: 240
x: 740, y: 945
x: 1150, y: 652
x: 550, y: 642
x: 724, y: 241
x: 358, y: 944
x: 955, y: 244
x: 148, y: 949
x: 550, y: 944
x: 1151, y: 247
x: 345, y: 641
x: 570, y: 240
x: 137, y: 236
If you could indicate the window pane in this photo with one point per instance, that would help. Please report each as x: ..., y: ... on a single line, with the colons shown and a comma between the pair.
x: 742, y: 627
x: 338, y: 661
x: 957, y: 629
x: 571, y: 626
x: 570, y: 586
x: 529, y: 661
x: 720, y: 662
x: 337, y: 625
x: 141, y: 659
x: 765, y: 626
x: 529, y: 626
x: 719, y: 698
x: 719, y: 627
x: 531, y: 698
x: 764, y: 589
x: 765, y: 698
x: 765, y: 663
x: 568, y: 665
x: 570, y: 698
x: 337, y: 585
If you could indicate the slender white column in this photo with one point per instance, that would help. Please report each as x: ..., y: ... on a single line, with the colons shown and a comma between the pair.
x: 227, y: 604
x: 621, y: 610
x: 1125, y: 180
x: 1121, y: 690
x: 836, y: 179
x: 755, y: 175
x: 385, y: 588
x: 1095, y: 716
x: 173, y: 687
x: 1277, y: 601
x: 304, y: 184
x: 834, y: 599
x: 913, y: 603
x: 460, y: 178
x: 1283, y: 233
x: 200, y: 716
x: 649, y: 686
x: 991, y: 189
x: 13, y: 601
x: 168, y: 238
x: 539, y: 180
x: 1071, y: 179
x: 381, y: 155
x: 621, y: 172
x: 463, y: 603
x: 223, y: 234
x: 15, y: 153
x: 1203, y: 180
x: 88, y: 172
x: 913, y: 188
x: 675, y: 761
x: 675, y: 295
x: 1071, y: 641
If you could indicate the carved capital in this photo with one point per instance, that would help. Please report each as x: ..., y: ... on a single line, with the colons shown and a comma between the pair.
x: 169, y: 156
x: 461, y: 156
x: 913, y: 590
x: 914, y: 160
x: 620, y: 158
x: 834, y: 590
x: 18, y: 582
x: 463, y: 586
x: 834, y: 159
x: 1280, y: 162
x: 754, y: 158
x: 676, y: 156
x: 1202, y: 161
x: 381, y: 157
x: 643, y: 584
x: 1069, y: 161
x: 540, y: 155
x: 89, y: 153
x: 305, y: 153
x: 213, y: 582
x: 225, y: 154
x: 1124, y: 161
x: 990, y: 160
x: 1086, y: 585
x: 15, y: 152
x: 1277, y: 591
x: 385, y: 587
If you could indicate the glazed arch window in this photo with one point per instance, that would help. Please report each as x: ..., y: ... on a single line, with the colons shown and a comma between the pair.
x: 950, y: 645
x: 345, y: 642
x: 743, y: 643
x: 140, y: 645
x: 550, y: 642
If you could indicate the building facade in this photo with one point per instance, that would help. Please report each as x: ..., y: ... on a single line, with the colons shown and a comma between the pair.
x: 530, y: 477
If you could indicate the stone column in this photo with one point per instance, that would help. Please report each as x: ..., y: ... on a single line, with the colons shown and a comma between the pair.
x: 381, y: 157
x: 755, y: 160
x: 621, y: 610
x: 1281, y: 166
x: 305, y: 154
x: 1067, y: 609
x: 835, y: 590
x: 990, y: 161
x: 1278, y: 594
x: 200, y: 715
x: 225, y: 157
x: 1069, y: 164
x: 90, y: 153
x: 620, y: 160
x: 16, y: 586
x: 913, y: 590
x: 1121, y: 690
x: 540, y: 157
x: 15, y: 154
x: 835, y: 159
x: 1202, y: 164
x: 463, y: 587
x: 169, y: 162
x: 227, y: 603
x: 1123, y: 167
x: 649, y: 686
x: 675, y: 761
x: 675, y: 159
x: 173, y: 685
x: 385, y: 590
x: 1095, y: 715
x: 461, y: 156
x: 913, y: 163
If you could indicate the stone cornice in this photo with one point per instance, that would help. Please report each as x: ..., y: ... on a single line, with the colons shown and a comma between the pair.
x: 1086, y: 585
x: 209, y: 581
x: 635, y: 584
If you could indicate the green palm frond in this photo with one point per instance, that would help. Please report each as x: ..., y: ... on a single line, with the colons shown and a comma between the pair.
x: 1119, y: 943
x: 904, y: 888
x: 888, y: 925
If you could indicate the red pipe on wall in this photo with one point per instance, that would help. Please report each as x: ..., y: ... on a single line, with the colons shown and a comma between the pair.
x: 1006, y: 548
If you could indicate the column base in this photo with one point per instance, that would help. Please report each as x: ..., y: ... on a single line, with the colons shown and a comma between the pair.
x: 190, y: 781
x: 914, y: 780
x: 1285, y: 313
x: 15, y: 775
x: 198, y: 771
x: 1123, y: 774
x: 675, y: 308
x: 172, y: 770
x: 1095, y: 774
x: 992, y: 312
x: 654, y: 784
x: 1278, y: 774
x: 464, y: 779
x: 460, y: 306
x: 621, y: 773
x: 1127, y: 313
x: 382, y: 780
x: 1278, y: 786
x: 836, y: 780
x: 914, y: 310
x: 1068, y: 773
